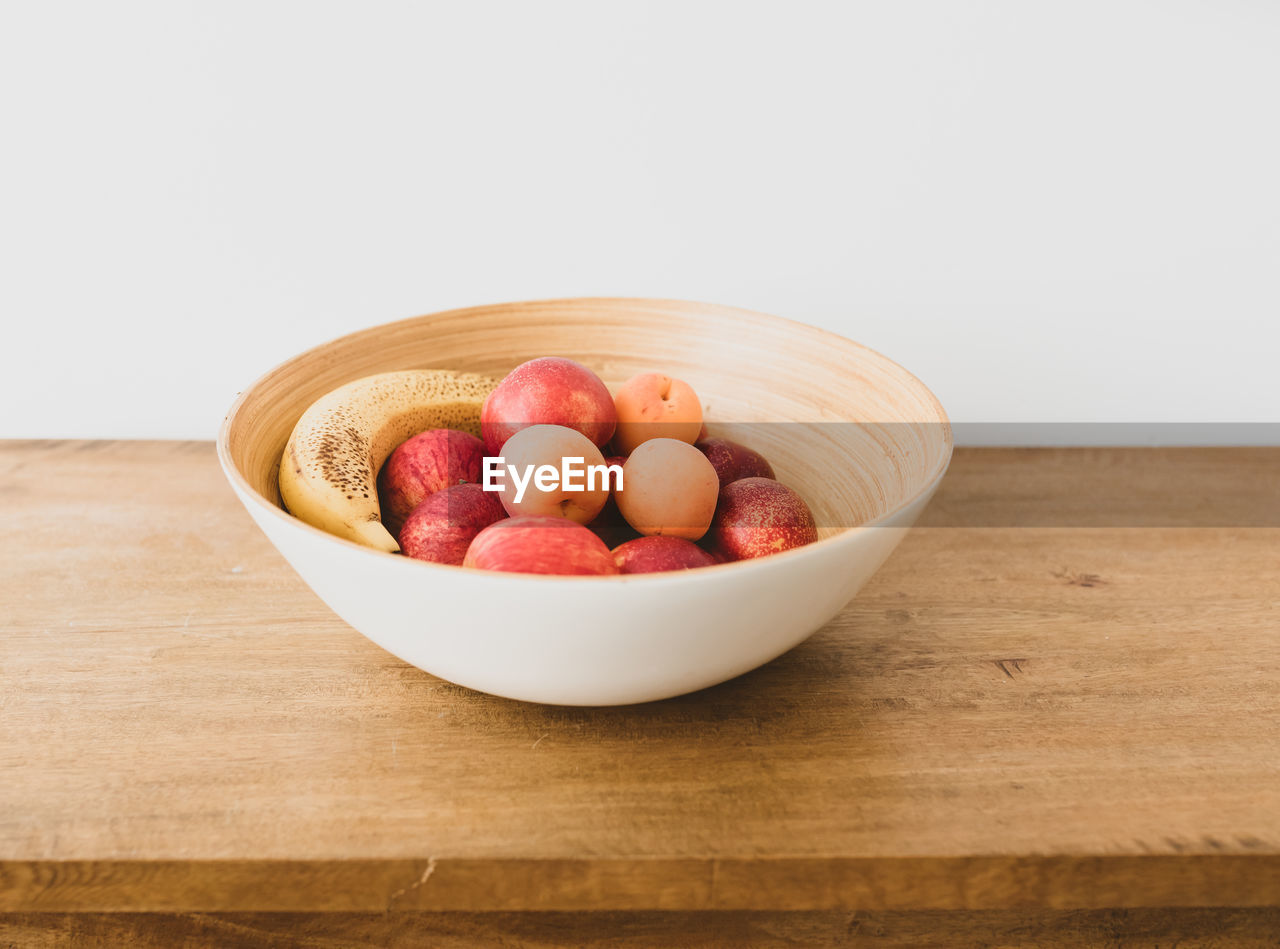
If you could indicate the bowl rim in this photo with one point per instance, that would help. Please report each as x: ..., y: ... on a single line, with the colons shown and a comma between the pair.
x: 245, y: 490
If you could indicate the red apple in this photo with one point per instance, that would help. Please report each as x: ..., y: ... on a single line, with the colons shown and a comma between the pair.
x: 441, y: 528
x: 659, y: 553
x: 548, y: 391
x: 533, y: 544
x: 758, y: 516
x: 733, y: 461
x: 421, y: 466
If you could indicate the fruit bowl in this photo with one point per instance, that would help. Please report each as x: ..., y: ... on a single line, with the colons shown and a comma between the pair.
x: 860, y: 438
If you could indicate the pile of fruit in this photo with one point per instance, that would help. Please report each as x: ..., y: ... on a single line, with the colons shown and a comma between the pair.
x: 408, y: 461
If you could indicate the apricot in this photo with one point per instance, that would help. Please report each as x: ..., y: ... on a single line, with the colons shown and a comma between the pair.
x: 652, y: 405
x: 669, y: 488
x: 527, y: 484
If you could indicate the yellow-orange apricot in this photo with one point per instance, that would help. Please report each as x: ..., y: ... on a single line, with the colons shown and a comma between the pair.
x: 652, y: 405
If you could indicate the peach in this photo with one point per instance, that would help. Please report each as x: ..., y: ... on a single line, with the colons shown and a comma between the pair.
x: 668, y: 487
x: 441, y: 528
x: 529, y: 489
x: 652, y: 405
x: 759, y: 516
x: 532, y: 544
x: 658, y: 553
x: 424, y: 464
x: 733, y: 461
x: 547, y: 391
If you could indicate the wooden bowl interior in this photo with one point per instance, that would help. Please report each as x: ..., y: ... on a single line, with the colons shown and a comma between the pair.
x: 855, y: 434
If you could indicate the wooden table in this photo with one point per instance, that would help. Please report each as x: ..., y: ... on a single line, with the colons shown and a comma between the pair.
x: 1055, y: 710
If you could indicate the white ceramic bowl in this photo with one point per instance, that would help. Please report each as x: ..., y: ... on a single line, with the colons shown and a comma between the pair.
x: 867, y: 444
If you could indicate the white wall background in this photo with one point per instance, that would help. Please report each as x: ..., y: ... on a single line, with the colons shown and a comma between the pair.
x: 1050, y: 212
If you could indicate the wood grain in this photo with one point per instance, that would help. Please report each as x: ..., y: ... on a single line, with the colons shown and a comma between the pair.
x: 1006, y: 719
x: 1065, y: 929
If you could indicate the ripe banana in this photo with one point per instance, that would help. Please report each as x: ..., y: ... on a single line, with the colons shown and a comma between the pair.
x: 329, y: 469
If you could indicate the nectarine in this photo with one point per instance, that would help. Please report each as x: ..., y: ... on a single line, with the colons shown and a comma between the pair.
x: 547, y: 391
x: 758, y: 516
x: 733, y: 461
